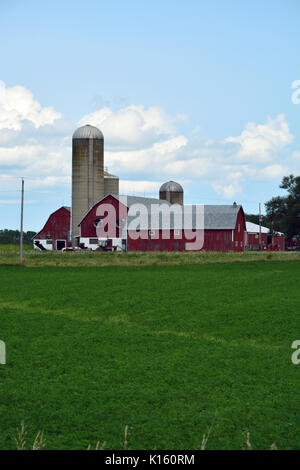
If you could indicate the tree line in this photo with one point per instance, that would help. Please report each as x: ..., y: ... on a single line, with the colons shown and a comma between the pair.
x: 12, y: 237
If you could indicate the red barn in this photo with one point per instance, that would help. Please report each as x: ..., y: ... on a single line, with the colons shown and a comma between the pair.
x: 55, y: 235
x: 224, y: 227
x: 267, y: 240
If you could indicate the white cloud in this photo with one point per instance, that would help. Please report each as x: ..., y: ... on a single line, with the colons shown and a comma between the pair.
x: 139, y: 187
x: 143, y: 146
x: 147, y: 160
x: 227, y: 191
x: 275, y: 172
x: 50, y: 181
x: 296, y: 155
x: 194, y: 167
x: 20, y: 155
x: 17, y: 105
x: 259, y: 142
x: 133, y: 125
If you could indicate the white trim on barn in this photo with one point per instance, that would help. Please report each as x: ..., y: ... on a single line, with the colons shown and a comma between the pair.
x: 93, y: 243
x: 47, y: 244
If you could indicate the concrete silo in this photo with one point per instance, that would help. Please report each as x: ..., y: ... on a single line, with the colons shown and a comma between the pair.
x: 87, y: 173
x: 111, y: 183
x: 172, y: 192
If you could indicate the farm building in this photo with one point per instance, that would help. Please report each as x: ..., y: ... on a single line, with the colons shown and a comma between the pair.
x: 224, y: 227
x: 56, y: 234
x: 267, y: 240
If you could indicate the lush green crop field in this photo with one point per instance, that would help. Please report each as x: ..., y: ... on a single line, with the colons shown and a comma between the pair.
x: 161, y: 348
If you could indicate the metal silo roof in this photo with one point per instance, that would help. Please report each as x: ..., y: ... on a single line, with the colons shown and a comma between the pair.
x: 88, y: 132
x: 172, y: 187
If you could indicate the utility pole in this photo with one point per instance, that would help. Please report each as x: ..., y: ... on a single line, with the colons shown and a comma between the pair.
x: 21, y: 229
x: 259, y: 226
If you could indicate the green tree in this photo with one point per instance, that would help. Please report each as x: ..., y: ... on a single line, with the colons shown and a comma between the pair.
x: 284, y: 211
x: 12, y: 237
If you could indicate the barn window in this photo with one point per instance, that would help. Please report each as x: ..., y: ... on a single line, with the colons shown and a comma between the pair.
x: 241, y: 244
x: 239, y: 229
x: 236, y: 243
x: 93, y: 241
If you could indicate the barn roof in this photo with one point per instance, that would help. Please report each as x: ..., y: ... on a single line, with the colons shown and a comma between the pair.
x: 215, y: 217
x: 254, y: 228
x: 63, y: 207
x: 110, y: 175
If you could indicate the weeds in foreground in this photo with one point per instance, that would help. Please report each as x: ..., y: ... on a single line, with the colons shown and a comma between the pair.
x: 206, y: 436
x: 248, y: 443
x: 125, y: 443
x: 39, y: 442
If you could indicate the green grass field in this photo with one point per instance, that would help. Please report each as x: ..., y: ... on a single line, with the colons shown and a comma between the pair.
x: 158, y: 348
x: 9, y: 256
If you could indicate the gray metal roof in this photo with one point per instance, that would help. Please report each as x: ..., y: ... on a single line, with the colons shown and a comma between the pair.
x: 146, y: 201
x: 172, y: 187
x: 110, y: 175
x: 221, y: 217
x: 215, y: 217
x: 88, y: 132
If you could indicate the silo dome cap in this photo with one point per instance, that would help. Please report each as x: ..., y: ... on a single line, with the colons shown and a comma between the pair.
x: 171, y: 187
x: 88, y: 132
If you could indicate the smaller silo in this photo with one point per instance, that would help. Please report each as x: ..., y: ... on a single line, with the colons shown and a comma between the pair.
x: 172, y: 192
x: 111, y: 184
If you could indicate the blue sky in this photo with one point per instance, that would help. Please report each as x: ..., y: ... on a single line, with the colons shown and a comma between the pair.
x: 194, y: 91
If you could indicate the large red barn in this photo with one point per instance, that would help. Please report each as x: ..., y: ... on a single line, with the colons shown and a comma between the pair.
x: 224, y: 228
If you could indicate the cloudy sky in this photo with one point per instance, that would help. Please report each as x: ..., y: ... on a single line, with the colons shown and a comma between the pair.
x: 201, y: 92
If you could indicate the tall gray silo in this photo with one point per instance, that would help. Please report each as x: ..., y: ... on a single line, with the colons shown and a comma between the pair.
x: 172, y: 192
x: 87, y: 173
